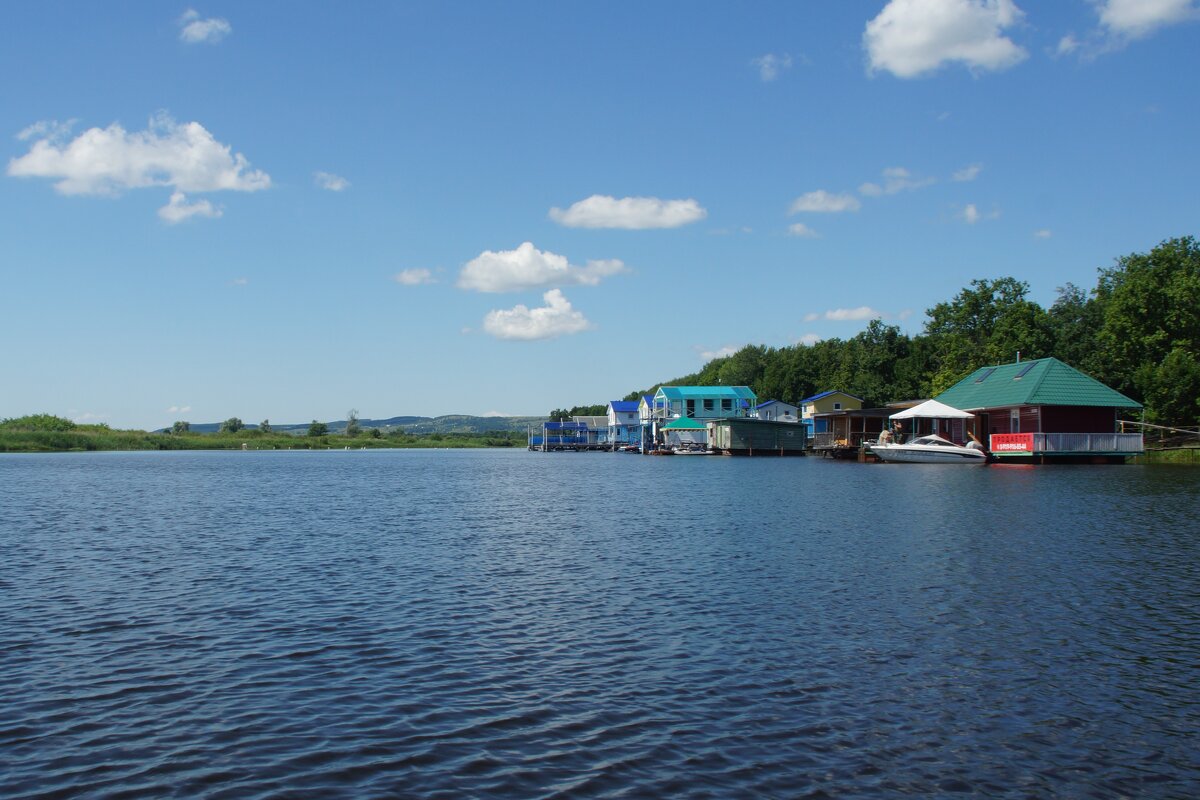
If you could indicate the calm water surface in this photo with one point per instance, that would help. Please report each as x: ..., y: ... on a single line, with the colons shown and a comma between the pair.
x: 512, y: 624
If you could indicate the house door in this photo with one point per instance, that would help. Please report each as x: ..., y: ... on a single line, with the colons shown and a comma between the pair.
x: 1014, y: 421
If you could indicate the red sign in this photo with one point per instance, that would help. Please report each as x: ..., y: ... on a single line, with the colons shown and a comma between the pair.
x: 1012, y: 443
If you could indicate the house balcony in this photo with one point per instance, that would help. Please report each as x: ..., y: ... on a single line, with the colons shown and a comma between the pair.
x: 1066, y: 444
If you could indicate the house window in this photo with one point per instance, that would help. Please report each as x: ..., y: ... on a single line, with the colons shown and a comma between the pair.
x: 1014, y: 418
x: 708, y: 404
x: 691, y: 408
x: 837, y: 406
x: 726, y: 404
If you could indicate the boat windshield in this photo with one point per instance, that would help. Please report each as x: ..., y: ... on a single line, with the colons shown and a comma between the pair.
x: 936, y: 441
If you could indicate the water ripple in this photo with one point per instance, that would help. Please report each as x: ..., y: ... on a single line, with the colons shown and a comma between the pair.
x: 496, y: 624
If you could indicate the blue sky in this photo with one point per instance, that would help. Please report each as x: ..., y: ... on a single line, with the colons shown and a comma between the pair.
x: 287, y: 210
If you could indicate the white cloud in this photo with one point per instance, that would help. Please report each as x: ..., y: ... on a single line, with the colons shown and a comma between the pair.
x: 47, y: 129
x: 1067, y: 45
x: 720, y: 352
x: 178, y: 209
x: 968, y: 173
x: 809, y: 339
x: 530, y: 268
x: 327, y: 180
x: 853, y: 314
x: 803, y: 231
x: 630, y: 213
x: 822, y: 201
x: 913, y: 37
x: 1044, y: 233
x: 556, y: 318
x: 108, y: 161
x: 895, y: 180
x: 971, y: 214
x: 179, y: 409
x: 194, y: 30
x: 414, y: 277
x: 770, y: 65
x: 240, y: 282
x: 1134, y: 19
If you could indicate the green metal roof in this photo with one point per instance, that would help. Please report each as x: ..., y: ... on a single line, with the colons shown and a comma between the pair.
x: 695, y: 392
x: 1039, y: 382
x: 684, y: 424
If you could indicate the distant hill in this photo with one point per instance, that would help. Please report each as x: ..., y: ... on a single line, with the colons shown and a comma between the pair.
x: 449, y: 423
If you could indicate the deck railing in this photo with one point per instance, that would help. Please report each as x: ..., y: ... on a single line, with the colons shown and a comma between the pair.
x: 1017, y: 444
x: 855, y: 439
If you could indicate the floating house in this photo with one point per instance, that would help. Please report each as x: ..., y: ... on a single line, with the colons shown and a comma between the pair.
x: 684, y: 431
x: 1044, y: 410
x: 777, y: 410
x: 702, y: 403
x: 756, y: 437
x: 624, y: 425
x: 844, y: 432
x: 555, y: 435
x: 595, y: 430
x: 825, y: 403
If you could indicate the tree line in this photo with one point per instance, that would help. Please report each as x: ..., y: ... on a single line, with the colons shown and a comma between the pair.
x: 1137, y: 330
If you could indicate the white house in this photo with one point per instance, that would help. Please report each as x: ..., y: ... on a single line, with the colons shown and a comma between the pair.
x: 777, y: 411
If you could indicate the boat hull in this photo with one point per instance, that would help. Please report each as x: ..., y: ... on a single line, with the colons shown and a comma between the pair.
x: 903, y: 454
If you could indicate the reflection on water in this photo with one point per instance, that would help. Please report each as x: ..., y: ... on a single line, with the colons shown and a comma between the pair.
x: 520, y: 625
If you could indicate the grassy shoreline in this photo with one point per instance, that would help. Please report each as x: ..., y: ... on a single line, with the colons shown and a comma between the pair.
x: 75, y: 441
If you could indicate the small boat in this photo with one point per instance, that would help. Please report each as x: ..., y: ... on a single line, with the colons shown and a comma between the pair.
x: 930, y: 449
x: 690, y: 451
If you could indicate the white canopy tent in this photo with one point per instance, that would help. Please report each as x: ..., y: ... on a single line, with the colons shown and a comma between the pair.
x: 931, y: 409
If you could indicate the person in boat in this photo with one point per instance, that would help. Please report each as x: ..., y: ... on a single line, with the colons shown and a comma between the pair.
x: 885, y: 436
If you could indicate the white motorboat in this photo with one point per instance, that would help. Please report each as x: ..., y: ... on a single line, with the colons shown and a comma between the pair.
x: 930, y: 449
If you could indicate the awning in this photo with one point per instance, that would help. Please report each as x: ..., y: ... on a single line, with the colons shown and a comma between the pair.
x: 684, y: 424
x: 932, y: 409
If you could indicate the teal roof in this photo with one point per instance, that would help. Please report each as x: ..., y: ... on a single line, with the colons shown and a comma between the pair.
x: 684, y: 424
x: 1039, y: 382
x: 696, y: 392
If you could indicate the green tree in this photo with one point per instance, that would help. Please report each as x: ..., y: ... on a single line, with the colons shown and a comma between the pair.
x: 265, y: 426
x: 1075, y: 322
x: 231, y: 425
x: 376, y: 433
x: 38, y: 422
x: 1150, y: 329
x: 986, y: 323
x: 318, y: 429
x: 181, y: 427
x: 352, y: 426
x: 560, y: 415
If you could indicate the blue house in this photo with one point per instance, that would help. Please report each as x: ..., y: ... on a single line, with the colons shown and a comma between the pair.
x: 624, y: 425
x: 703, y: 402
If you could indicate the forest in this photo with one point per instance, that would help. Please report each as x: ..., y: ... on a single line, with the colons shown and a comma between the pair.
x: 1137, y: 330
